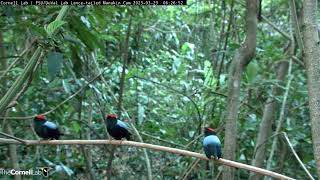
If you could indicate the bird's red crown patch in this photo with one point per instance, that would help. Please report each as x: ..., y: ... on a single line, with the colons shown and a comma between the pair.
x: 40, y: 117
x: 210, y: 129
x: 111, y: 116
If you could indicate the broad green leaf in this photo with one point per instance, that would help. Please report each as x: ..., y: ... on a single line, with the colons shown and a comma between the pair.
x: 234, y: 45
x: 140, y: 113
x: 108, y: 37
x: 251, y: 72
x: 76, y: 60
x: 38, y: 30
x: 85, y: 34
x: 66, y: 86
x: 209, y: 79
x: 76, y: 127
x: 176, y: 64
x: 187, y: 48
x: 53, y: 26
x: 55, y: 60
x: 67, y: 169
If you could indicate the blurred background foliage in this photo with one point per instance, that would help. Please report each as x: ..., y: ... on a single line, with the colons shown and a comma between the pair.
x: 176, y: 62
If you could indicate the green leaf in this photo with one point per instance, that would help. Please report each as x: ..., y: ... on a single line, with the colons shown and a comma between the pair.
x: 187, y: 48
x: 86, y: 35
x: 234, y: 45
x: 209, y: 80
x: 66, y: 86
x: 76, y: 60
x: 76, y: 127
x: 55, y: 60
x: 37, y: 30
x: 66, y: 169
x: 251, y: 72
x: 176, y: 64
x: 140, y: 113
x: 53, y: 26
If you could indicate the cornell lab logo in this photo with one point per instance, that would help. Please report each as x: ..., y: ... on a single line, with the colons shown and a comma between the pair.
x: 45, y: 171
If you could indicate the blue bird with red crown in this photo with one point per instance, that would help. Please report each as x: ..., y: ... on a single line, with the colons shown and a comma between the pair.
x: 45, y: 129
x: 116, y: 128
x: 211, y: 144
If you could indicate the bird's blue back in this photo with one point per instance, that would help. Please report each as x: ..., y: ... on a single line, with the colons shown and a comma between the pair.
x: 212, y: 139
x: 122, y: 124
x: 212, y: 146
x: 50, y: 125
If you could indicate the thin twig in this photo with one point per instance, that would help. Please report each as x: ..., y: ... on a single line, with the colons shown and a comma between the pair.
x: 60, y: 104
x: 265, y: 141
x: 295, y: 24
x: 281, y: 117
x: 174, y: 90
x: 189, y: 170
x: 17, y: 59
x: 275, y: 27
x: 12, y: 137
x: 174, y: 160
x: 296, y: 155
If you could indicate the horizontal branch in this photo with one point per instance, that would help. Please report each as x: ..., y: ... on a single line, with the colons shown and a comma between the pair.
x: 148, y: 146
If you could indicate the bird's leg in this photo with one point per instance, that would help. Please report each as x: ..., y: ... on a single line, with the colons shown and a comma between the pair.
x: 109, y: 138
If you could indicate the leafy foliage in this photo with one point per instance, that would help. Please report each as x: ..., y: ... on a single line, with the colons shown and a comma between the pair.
x: 175, y: 83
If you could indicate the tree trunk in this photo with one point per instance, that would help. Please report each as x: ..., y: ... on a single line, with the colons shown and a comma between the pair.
x: 242, y: 57
x: 12, y: 148
x: 86, y: 150
x: 13, y: 152
x: 311, y: 58
x: 267, y: 120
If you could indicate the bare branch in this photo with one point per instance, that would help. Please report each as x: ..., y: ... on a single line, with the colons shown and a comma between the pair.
x: 12, y: 137
x: 296, y: 155
x: 150, y: 146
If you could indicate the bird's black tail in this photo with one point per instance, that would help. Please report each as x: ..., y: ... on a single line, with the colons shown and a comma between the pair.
x: 128, y: 136
x: 57, y: 136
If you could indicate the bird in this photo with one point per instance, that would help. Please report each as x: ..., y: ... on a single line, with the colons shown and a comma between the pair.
x: 211, y: 144
x: 46, y: 129
x: 116, y: 128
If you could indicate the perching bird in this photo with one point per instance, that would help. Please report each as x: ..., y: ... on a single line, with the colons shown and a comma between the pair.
x: 45, y: 129
x: 211, y: 144
x: 116, y: 128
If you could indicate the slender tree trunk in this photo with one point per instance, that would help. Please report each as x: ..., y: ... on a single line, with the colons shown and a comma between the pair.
x: 242, y: 57
x: 13, y: 152
x: 86, y: 150
x: 283, y: 147
x: 121, y: 91
x: 268, y: 119
x: 125, y: 52
x: 3, y: 63
x: 311, y: 42
x: 228, y: 34
x: 270, y: 108
x: 12, y: 148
